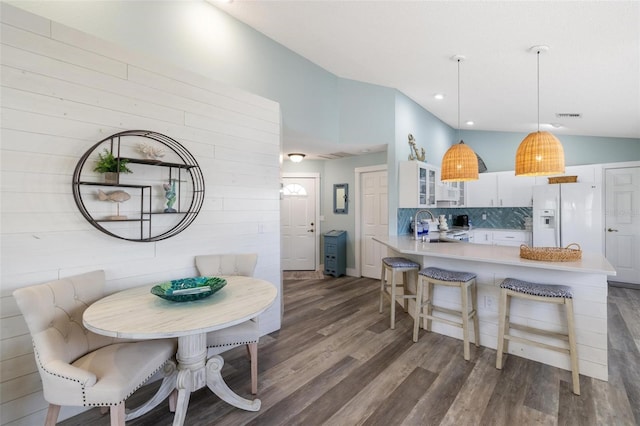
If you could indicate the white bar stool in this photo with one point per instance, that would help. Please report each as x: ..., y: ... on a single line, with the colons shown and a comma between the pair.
x: 392, y: 265
x: 548, y: 293
x: 427, y: 278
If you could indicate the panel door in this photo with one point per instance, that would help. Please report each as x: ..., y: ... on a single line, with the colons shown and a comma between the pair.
x: 298, y: 212
x: 622, y: 222
x: 374, y: 220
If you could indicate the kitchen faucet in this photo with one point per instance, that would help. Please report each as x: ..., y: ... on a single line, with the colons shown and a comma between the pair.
x: 415, y: 221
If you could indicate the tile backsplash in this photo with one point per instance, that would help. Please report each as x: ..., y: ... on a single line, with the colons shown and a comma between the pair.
x: 503, y: 218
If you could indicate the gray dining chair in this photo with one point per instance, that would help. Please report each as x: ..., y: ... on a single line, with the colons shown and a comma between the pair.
x: 82, y: 368
x: 246, y: 333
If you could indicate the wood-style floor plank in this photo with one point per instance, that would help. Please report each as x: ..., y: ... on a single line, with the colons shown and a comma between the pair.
x: 336, y: 362
x: 472, y: 400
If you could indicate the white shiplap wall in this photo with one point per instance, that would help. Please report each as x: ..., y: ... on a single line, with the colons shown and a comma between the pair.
x: 62, y: 91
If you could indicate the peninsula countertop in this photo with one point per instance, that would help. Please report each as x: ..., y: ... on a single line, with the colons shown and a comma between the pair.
x: 504, y: 255
x: 492, y: 264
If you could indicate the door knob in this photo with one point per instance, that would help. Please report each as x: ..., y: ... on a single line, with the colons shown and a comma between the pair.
x: 612, y: 230
x: 310, y: 230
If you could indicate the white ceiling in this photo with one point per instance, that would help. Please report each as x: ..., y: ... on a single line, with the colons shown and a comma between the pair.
x: 592, y: 67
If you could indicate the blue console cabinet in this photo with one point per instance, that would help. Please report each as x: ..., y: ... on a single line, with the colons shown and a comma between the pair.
x: 335, y: 253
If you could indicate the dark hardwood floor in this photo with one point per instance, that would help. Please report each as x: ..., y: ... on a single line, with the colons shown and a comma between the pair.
x: 336, y: 362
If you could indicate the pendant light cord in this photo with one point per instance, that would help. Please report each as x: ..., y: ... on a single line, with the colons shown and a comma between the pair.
x: 538, y: 60
x: 458, y: 99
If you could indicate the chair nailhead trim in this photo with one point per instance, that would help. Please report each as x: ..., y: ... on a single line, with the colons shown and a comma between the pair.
x: 84, y: 396
x: 35, y: 352
x: 233, y: 344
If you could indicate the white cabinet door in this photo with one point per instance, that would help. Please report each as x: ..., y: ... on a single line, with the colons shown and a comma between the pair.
x: 480, y: 236
x: 462, y: 194
x: 483, y: 192
x: 417, y: 184
x: 515, y: 191
x: 511, y: 238
x: 589, y: 173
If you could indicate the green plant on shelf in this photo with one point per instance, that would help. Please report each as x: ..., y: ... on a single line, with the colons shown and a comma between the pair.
x: 107, y: 163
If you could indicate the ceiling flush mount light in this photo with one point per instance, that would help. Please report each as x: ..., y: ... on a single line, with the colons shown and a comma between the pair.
x: 540, y: 153
x: 438, y: 96
x: 470, y: 123
x: 296, y: 157
x: 459, y: 163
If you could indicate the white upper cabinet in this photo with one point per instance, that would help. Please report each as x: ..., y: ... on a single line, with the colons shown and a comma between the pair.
x: 588, y: 173
x: 483, y: 192
x: 451, y: 194
x: 500, y: 189
x: 515, y: 191
x: 417, y: 184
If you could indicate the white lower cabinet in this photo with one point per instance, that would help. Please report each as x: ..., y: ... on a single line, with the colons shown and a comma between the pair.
x: 511, y: 238
x: 480, y: 236
x: 500, y: 237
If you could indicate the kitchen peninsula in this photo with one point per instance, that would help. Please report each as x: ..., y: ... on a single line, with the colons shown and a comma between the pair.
x: 492, y: 264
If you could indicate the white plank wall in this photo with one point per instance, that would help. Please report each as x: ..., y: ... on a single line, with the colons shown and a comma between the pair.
x: 62, y: 91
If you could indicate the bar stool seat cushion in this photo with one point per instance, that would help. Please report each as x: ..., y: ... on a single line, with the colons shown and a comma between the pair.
x: 444, y: 275
x: 535, y: 289
x: 400, y: 262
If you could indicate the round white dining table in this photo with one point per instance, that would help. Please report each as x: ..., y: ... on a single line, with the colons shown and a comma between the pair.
x: 137, y: 314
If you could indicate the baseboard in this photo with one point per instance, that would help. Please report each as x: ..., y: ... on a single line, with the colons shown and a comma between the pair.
x: 624, y: 285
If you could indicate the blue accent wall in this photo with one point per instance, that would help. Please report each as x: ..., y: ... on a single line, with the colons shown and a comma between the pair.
x: 503, y: 218
x: 498, y: 149
x: 430, y: 133
x: 317, y: 106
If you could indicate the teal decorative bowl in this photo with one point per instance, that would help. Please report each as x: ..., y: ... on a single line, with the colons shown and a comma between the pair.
x: 188, y: 289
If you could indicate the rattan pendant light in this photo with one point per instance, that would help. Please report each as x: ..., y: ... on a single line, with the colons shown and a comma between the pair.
x: 540, y: 153
x: 459, y: 163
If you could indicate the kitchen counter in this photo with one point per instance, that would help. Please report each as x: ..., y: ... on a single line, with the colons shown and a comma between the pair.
x: 492, y: 264
x: 590, y: 262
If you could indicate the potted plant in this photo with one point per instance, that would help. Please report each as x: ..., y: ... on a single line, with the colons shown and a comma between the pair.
x: 111, y: 166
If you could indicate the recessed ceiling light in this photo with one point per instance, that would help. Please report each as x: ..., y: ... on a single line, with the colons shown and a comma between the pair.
x: 556, y: 125
x: 438, y: 96
x: 470, y: 123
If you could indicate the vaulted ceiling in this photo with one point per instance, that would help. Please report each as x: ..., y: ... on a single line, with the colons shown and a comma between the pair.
x: 592, y: 67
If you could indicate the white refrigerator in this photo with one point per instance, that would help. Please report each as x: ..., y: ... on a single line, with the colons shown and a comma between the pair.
x: 568, y: 213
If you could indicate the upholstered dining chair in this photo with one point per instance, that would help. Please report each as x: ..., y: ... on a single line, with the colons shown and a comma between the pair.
x: 82, y: 368
x: 246, y: 333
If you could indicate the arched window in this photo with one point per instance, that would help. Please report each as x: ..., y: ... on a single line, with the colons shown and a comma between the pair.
x: 294, y: 190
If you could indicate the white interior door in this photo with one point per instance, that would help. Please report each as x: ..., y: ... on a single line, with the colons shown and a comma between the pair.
x: 374, y: 221
x: 622, y: 222
x: 298, y: 224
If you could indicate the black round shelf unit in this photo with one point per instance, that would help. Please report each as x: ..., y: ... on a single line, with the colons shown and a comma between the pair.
x: 183, y: 169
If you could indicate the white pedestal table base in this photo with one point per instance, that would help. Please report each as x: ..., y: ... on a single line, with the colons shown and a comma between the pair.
x: 195, y: 372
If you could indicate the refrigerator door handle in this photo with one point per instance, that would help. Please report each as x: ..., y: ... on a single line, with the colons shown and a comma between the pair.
x: 559, y: 221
